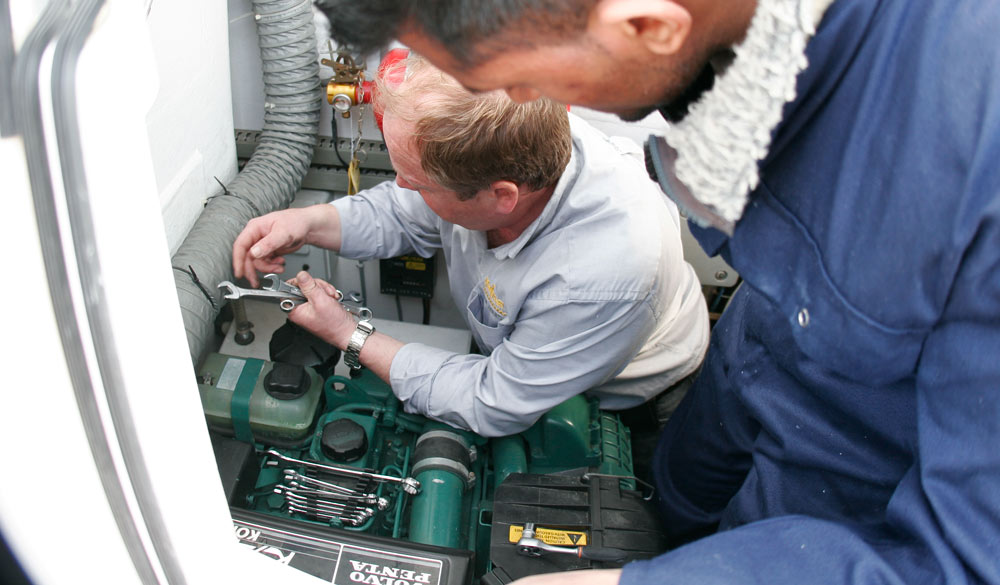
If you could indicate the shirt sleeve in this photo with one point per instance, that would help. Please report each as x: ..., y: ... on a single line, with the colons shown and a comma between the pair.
x: 387, y: 221
x: 942, y: 523
x: 556, y: 351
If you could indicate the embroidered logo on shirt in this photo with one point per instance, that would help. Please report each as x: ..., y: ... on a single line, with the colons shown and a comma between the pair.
x: 491, y: 295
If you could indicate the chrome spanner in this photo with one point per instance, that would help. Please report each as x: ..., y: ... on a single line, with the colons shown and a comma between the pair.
x: 293, y: 498
x: 354, y: 519
x: 287, y: 300
x: 274, y: 283
x: 408, y: 484
x: 303, y: 483
x: 324, y: 495
x: 289, y: 296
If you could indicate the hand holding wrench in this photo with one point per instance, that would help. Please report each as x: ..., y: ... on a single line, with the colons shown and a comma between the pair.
x: 287, y: 299
x: 289, y: 296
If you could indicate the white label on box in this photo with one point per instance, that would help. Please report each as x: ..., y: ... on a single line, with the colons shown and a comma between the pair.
x: 231, y: 374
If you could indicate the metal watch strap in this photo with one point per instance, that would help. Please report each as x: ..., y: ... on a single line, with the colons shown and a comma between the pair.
x: 352, y: 355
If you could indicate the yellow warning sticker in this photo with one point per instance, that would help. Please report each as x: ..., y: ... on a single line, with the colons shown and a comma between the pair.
x: 551, y: 536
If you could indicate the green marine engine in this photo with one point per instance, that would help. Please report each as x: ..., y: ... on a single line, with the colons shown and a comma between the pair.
x: 332, y: 477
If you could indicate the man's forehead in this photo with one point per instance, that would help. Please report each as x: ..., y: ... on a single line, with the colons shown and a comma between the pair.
x: 399, y: 142
x: 398, y: 133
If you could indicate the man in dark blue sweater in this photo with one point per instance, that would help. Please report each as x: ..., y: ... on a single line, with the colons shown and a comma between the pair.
x: 843, y: 157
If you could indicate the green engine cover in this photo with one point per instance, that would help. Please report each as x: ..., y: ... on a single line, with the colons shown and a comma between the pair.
x: 348, y: 473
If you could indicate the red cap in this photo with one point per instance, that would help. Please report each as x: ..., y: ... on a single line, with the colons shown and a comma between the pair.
x: 391, y: 58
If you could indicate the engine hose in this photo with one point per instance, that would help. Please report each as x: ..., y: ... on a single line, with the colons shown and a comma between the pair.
x: 272, y: 176
x: 442, y: 462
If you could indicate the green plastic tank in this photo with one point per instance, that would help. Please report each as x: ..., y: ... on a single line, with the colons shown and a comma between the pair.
x: 259, y: 401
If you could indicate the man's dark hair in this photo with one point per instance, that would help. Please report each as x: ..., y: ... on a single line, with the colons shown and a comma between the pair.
x: 471, y: 30
x: 365, y: 25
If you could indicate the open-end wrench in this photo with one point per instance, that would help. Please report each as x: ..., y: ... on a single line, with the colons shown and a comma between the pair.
x: 296, y: 499
x: 366, y: 499
x: 290, y: 296
x: 275, y: 283
x: 355, y: 519
x: 331, y: 490
x: 291, y: 476
x: 286, y: 300
x: 363, y: 313
x: 409, y: 485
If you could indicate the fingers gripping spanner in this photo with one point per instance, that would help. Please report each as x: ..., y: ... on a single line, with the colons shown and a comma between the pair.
x: 287, y: 295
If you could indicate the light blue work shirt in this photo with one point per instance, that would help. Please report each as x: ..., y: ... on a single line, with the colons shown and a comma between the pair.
x: 593, y: 296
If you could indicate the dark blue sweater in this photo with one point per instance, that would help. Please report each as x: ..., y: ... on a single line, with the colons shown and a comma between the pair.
x: 846, y: 425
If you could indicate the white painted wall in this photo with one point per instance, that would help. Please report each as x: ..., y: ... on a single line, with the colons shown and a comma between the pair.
x: 190, y: 123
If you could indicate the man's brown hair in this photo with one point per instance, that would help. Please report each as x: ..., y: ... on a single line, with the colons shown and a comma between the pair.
x: 467, y: 141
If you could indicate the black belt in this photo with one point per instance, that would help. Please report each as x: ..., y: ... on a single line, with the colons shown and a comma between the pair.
x: 644, y: 416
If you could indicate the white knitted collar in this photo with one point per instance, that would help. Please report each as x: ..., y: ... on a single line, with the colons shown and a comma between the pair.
x: 727, y: 132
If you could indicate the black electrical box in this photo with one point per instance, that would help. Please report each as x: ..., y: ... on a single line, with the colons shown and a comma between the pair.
x: 408, y: 276
x: 568, y: 510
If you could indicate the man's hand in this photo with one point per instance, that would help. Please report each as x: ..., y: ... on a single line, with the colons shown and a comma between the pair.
x: 323, y: 315
x: 265, y: 240
x: 326, y: 318
x: 582, y: 577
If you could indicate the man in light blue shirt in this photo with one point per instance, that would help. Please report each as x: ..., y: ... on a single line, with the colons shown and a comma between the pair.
x: 563, y: 257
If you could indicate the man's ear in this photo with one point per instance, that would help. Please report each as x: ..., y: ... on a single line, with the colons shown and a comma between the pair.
x: 662, y: 26
x: 506, y: 195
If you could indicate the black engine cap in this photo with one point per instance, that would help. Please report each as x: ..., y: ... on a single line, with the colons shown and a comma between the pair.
x: 286, y: 381
x: 344, y: 440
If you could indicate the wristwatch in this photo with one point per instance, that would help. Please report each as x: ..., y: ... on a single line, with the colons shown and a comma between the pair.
x: 352, y: 355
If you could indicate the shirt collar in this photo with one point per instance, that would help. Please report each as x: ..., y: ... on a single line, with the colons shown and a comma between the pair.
x: 566, y: 181
x: 727, y: 131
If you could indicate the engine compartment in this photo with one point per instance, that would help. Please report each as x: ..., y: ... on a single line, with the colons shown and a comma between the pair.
x: 327, y: 474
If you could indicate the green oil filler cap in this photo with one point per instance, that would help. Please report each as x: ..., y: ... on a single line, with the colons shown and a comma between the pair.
x: 259, y: 400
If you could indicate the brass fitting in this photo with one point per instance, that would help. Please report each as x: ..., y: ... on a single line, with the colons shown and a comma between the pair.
x: 342, y: 96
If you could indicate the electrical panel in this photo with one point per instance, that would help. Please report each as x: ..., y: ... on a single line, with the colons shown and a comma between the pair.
x: 408, y: 276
